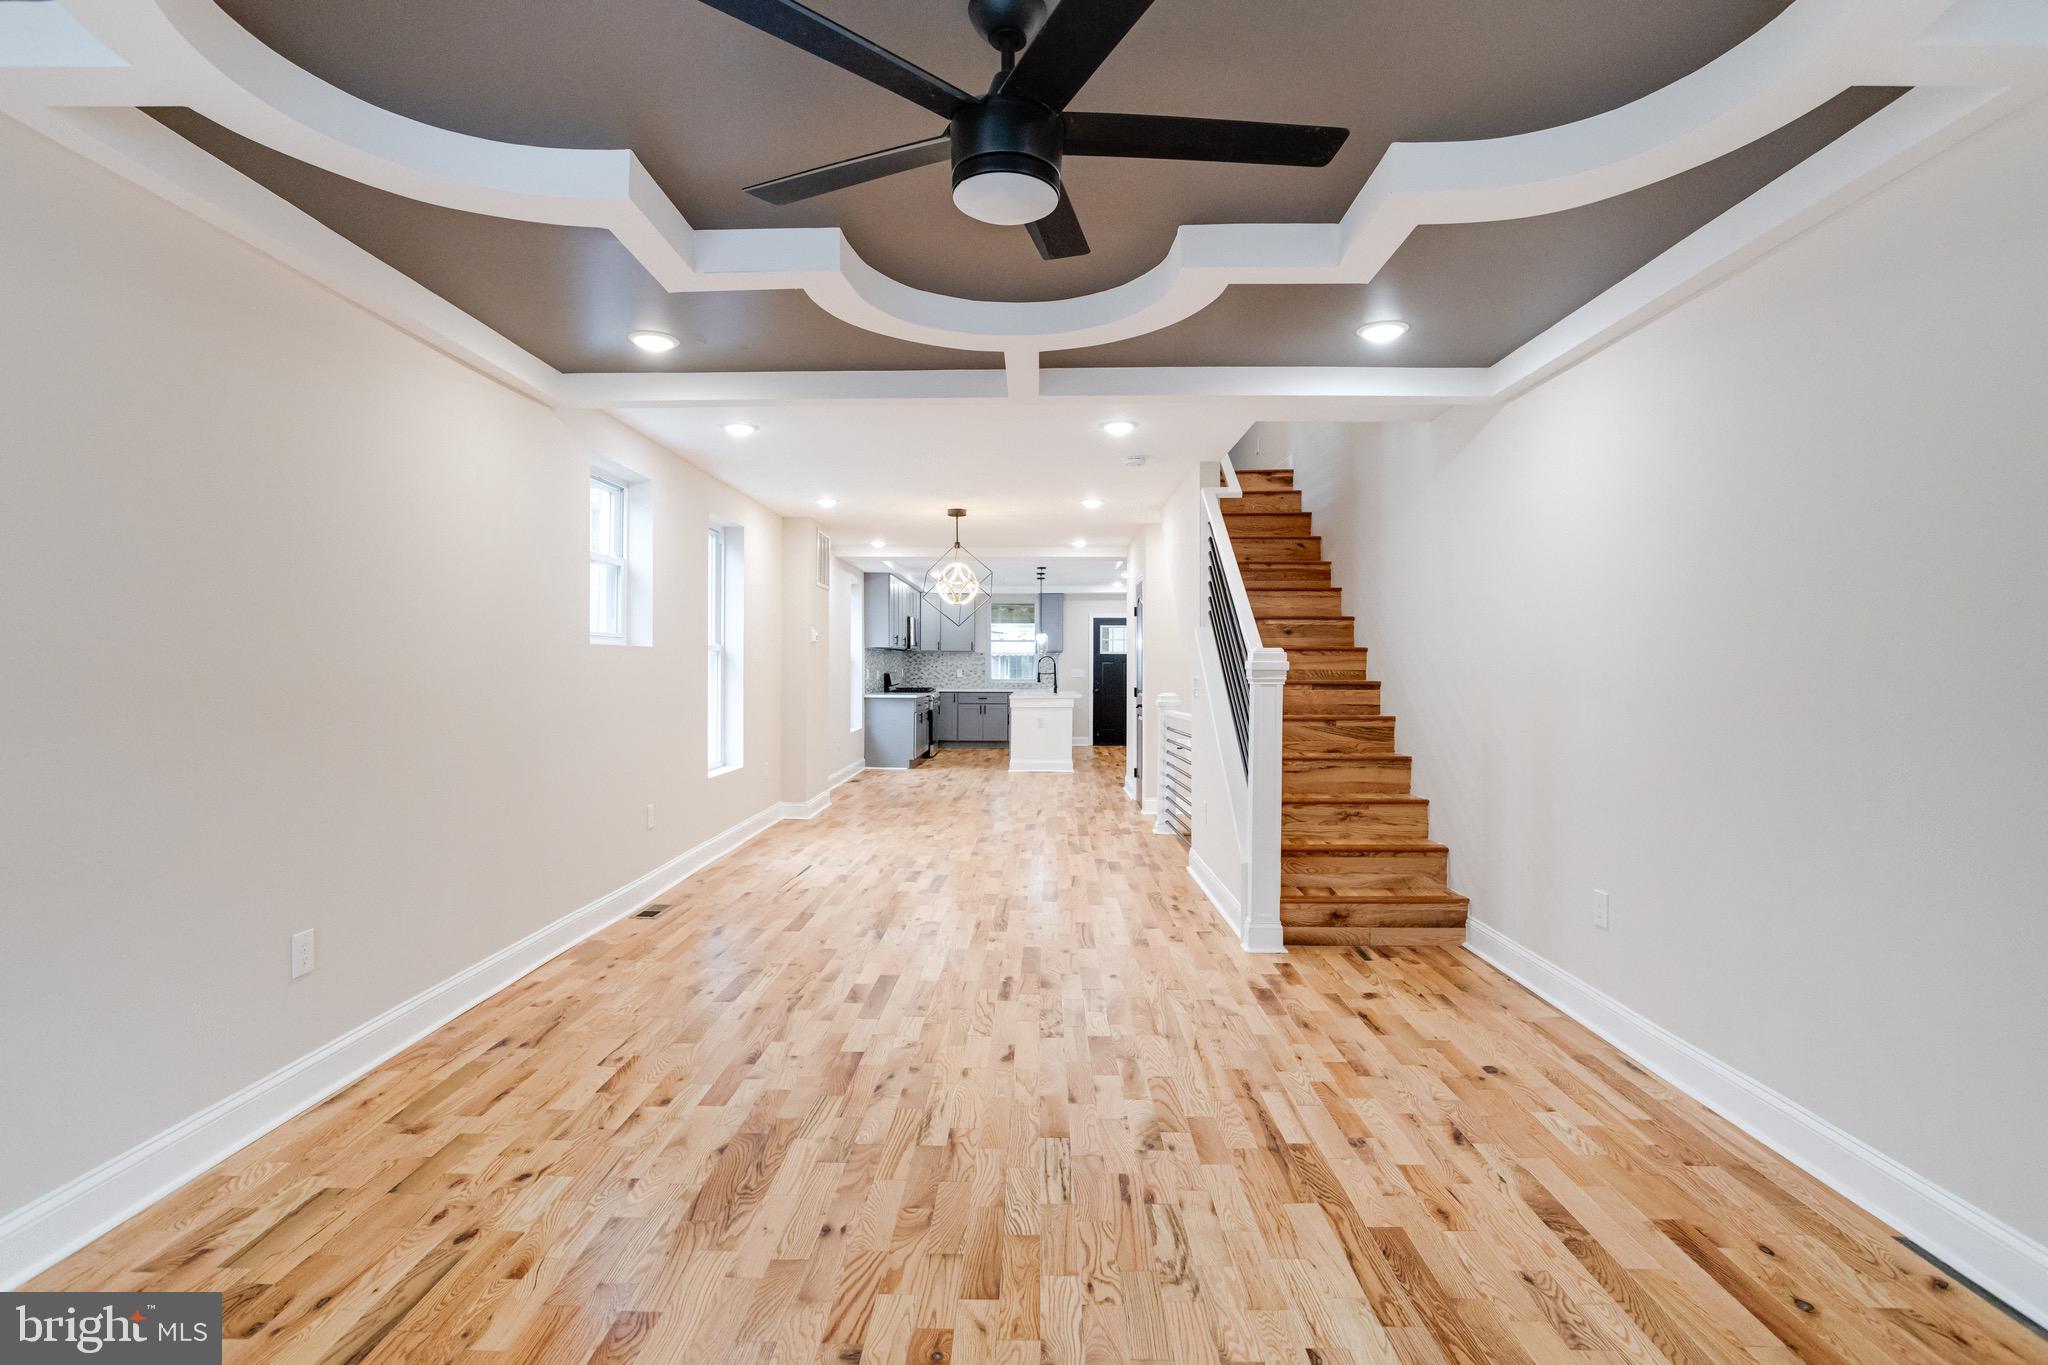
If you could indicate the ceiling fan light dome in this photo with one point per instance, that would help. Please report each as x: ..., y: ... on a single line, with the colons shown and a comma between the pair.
x: 1007, y: 198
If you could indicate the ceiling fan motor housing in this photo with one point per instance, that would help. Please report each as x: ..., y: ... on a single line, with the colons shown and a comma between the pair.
x: 1003, y: 134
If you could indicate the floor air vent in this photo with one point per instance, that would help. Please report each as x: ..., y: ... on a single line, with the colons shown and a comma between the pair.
x: 650, y: 912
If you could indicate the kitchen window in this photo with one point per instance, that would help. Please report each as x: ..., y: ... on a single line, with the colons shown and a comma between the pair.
x: 1013, y: 641
x: 607, y: 561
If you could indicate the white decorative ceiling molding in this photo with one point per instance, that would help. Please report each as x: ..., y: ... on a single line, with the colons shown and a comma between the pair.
x: 77, y: 70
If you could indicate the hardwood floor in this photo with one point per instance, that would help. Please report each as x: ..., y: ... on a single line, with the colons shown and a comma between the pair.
x: 1357, y: 864
x: 965, y: 1070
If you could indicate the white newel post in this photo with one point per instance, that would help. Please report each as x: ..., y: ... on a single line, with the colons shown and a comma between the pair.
x: 1266, y: 668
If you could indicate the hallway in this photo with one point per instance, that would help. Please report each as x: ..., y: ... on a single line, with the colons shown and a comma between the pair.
x: 966, y: 1070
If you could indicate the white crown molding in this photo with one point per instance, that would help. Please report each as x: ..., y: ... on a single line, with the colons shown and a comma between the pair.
x: 1997, y: 1255
x: 73, y: 69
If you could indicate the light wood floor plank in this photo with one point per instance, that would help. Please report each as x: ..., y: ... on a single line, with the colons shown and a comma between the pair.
x: 965, y: 1070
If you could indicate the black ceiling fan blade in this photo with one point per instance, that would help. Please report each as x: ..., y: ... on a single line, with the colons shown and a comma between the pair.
x: 1058, y: 235
x: 1202, y: 139
x: 1077, y: 38
x: 847, y: 50
x: 855, y: 170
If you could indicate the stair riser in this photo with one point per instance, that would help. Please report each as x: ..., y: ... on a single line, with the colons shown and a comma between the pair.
x: 1306, y: 937
x: 1383, y: 915
x: 1278, y: 550
x: 1255, y: 524
x: 1284, y: 500
x: 1272, y: 577
x: 1342, y: 777
x: 1338, y: 870
x: 1305, y: 664
x: 1267, y: 602
x: 1282, y: 634
x: 1317, y: 738
x: 1362, y: 819
x: 1307, y: 703
x: 1265, y: 480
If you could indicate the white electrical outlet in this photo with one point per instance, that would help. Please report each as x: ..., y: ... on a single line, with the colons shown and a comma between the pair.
x: 302, y: 953
x: 650, y: 815
x: 1599, y: 909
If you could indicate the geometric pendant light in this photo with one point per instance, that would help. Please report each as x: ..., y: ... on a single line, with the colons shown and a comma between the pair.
x: 957, y: 580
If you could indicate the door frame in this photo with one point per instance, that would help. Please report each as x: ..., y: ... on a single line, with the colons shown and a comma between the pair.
x: 1094, y: 637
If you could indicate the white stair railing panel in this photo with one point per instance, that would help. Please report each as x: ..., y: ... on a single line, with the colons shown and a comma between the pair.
x: 1245, y: 683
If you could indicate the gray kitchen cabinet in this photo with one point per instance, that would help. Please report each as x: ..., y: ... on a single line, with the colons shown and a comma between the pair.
x: 881, y: 626
x: 889, y: 611
x: 977, y: 716
x: 946, y: 729
x: 1052, y: 623
x: 938, y: 631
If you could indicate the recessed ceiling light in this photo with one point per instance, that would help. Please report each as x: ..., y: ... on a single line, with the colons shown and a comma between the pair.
x: 1119, y: 427
x: 740, y: 429
x: 878, y: 543
x: 828, y: 501
x: 653, y: 341
x: 1381, y: 332
x: 1080, y: 544
x: 1091, y: 503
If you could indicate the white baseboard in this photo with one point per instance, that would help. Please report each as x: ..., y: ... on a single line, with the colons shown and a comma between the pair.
x: 47, y: 1229
x: 817, y: 805
x: 1996, y: 1255
x: 1218, y: 891
x: 1084, y: 741
x: 1131, y: 788
x: 1149, y: 806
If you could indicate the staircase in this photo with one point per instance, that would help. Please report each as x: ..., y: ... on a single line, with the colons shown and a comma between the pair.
x: 1357, y: 864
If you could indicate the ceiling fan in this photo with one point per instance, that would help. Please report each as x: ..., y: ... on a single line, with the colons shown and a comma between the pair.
x: 1007, y: 146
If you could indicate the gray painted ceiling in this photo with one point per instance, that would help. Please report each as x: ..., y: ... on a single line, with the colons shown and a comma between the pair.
x: 569, y: 295
x: 1473, y: 292
x: 710, y: 105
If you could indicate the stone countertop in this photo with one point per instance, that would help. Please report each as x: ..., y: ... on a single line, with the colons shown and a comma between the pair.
x: 899, y: 696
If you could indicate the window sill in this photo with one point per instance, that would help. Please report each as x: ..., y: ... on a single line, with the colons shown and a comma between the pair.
x: 728, y: 768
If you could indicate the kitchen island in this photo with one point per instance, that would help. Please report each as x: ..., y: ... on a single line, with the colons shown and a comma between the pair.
x: 1041, y: 732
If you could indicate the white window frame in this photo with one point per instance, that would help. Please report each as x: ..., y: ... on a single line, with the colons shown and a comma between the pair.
x: 999, y: 672
x: 725, y: 659
x: 856, y: 630
x: 616, y: 564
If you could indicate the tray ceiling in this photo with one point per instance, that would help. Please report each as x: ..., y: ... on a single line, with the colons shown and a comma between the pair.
x: 1473, y: 292
x: 709, y: 105
x: 569, y: 295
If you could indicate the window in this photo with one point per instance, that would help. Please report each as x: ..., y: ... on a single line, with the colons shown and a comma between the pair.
x: 1110, y: 637
x: 725, y: 611
x: 856, y: 637
x: 1012, y: 641
x: 607, y: 561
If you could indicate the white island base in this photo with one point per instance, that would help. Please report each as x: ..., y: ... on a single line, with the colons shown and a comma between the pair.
x: 1041, y: 732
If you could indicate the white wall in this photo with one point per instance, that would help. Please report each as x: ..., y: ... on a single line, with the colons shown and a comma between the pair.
x: 293, y: 633
x: 1745, y: 620
x: 1077, y: 661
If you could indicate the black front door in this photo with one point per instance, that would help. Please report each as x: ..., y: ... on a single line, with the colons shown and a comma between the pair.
x: 1110, y: 646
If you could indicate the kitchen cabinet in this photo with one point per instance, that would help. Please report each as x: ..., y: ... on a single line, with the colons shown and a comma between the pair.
x: 974, y: 717
x: 1052, y: 623
x: 889, y: 609
x: 937, y: 631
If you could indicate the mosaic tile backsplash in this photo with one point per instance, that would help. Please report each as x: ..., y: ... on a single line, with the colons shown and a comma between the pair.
x: 928, y: 668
